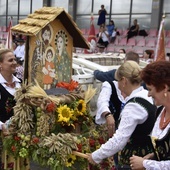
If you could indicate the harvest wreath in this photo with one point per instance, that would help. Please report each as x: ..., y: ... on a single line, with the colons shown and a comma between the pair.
x: 55, y: 131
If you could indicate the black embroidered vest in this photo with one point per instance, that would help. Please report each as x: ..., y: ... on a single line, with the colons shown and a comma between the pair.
x: 6, y: 104
x: 114, y: 103
x: 140, y: 142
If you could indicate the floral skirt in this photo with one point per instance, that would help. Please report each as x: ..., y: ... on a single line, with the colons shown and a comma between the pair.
x: 8, y: 162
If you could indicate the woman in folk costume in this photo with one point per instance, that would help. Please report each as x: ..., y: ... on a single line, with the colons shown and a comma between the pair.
x: 136, y: 119
x: 63, y: 63
x: 157, y: 78
x: 8, y: 85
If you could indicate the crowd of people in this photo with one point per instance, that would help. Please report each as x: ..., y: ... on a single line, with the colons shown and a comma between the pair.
x: 138, y: 126
x: 134, y: 105
x: 108, y: 33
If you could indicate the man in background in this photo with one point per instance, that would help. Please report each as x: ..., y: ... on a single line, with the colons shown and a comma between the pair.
x: 20, y: 50
x: 110, y: 75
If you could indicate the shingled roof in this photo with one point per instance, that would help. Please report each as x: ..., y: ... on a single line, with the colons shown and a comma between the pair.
x: 32, y: 25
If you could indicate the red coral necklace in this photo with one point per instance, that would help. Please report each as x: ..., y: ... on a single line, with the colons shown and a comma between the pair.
x: 12, y: 85
x: 163, y: 123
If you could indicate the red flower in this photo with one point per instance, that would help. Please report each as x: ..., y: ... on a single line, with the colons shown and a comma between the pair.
x: 79, y: 147
x: 13, y: 148
x: 104, y: 164
x: 17, y: 138
x: 10, y: 165
x: 91, y: 142
x: 35, y: 140
x: 69, y: 86
x: 50, y: 107
x: 101, y: 140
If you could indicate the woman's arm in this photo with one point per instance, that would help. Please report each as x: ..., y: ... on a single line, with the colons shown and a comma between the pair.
x: 99, y: 12
x: 1, y: 123
x: 128, y: 123
x: 138, y: 163
x: 103, y: 103
x: 136, y: 28
x: 156, y: 165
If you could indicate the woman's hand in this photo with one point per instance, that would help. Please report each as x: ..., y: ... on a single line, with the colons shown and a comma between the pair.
x: 4, y: 130
x: 136, y: 163
x: 90, y: 159
x: 149, y: 156
x: 110, y: 125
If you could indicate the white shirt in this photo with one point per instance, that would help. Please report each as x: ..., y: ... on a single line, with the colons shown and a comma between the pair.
x: 114, y: 34
x: 9, y: 89
x: 158, y: 133
x: 104, y: 36
x: 132, y: 115
x: 103, y: 100
x: 20, y: 51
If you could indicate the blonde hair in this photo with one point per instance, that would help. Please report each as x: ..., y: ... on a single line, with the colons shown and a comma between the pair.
x: 2, y: 52
x: 130, y: 70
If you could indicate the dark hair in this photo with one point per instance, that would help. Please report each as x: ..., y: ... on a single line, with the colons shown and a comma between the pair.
x: 157, y: 74
x: 112, y: 22
x: 124, y: 51
x: 2, y: 52
x: 46, y: 28
x: 132, y: 56
x: 149, y: 52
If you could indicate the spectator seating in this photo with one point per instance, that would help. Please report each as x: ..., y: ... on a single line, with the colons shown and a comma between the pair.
x: 168, y: 44
x: 110, y: 48
x: 5, y: 35
x: 123, y: 42
x: 152, y: 33
x: 168, y: 34
x: 1, y: 35
x: 3, y: 29
x: 131, y: 42
x: 139, y: 50
x: 140, y: 42
x: 124, y: 33
x: 117, y: 48
x: 150, y: 43
x: 129, y: 49
x: 116, y: 41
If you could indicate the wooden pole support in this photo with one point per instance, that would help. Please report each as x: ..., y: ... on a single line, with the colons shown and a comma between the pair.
x: 80, y: 154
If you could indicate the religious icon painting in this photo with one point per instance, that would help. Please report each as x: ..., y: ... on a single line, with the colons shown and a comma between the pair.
x: 63, y: 59
x: 51, y: 36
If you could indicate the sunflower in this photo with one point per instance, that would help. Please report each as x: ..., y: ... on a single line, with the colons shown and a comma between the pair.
x: 70, y: 160
x: 64, y: 114
x: 81, y: 107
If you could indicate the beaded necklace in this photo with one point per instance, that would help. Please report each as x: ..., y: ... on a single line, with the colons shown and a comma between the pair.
x: 163, y: 123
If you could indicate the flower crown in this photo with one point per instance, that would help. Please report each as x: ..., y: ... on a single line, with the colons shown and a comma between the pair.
x: 61, y: 33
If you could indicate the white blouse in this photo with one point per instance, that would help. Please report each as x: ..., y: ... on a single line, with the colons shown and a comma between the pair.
x: 132, y: 115
x: 20, y: 51
x: 103, y: 100
x: 158, y: 133
x: 104, y: 36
